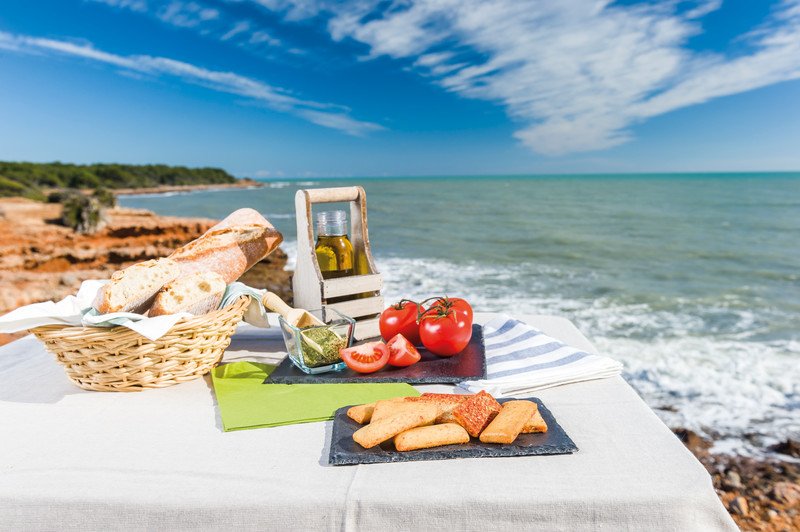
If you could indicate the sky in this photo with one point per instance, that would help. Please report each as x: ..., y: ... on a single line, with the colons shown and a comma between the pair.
x: 307, y: 88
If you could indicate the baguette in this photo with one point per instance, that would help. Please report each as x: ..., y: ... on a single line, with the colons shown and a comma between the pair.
x: 378, y: 432
x: 229, y: 251
x: 244, y: 216
x: 134, y: 288
x: 198, y: 293
x: 431, y: 436
x: 507, y: 425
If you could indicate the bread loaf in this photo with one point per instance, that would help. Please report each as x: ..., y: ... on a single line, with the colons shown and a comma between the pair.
x: 230, y: 251
x: 244, y: 216
x: 198, y: 293
x: 134, y: 288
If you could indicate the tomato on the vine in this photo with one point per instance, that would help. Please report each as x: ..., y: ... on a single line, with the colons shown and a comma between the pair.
x: 365, y: 358
x: 401, y: 318
x: 462, y: 308
x: 446, y: 327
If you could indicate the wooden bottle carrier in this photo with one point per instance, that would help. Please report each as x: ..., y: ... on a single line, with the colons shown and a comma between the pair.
x: 311, y: 291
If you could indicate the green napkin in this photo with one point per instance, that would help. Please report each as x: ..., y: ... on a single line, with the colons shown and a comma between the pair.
x: 246, y: 403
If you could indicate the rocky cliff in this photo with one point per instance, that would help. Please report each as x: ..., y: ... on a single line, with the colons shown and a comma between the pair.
x: 41, y: 260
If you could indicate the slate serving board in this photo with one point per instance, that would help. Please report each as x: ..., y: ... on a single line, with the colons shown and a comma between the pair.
x: 470, y: 364
x: 344, y: 451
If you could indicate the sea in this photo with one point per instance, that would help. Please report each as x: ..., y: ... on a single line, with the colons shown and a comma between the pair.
x: 692, y: 281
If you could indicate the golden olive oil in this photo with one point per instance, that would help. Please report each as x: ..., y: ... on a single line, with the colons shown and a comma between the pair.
x: 335, y: 256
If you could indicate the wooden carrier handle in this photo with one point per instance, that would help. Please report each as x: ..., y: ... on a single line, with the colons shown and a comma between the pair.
x: 333, y: 195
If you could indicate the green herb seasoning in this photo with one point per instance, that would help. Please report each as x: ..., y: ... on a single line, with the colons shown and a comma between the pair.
x: 320, y: 346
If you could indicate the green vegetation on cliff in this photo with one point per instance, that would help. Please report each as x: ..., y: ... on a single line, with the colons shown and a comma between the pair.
x: 28, y: 179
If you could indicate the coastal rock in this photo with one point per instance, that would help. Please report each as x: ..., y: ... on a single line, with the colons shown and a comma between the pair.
x: 789, y: 447
x: 732, y: 481
x: 768, y: 486
x: 787, y: 493
x: 739, y: 506
x: 693, y: 441
x: 41, y: 260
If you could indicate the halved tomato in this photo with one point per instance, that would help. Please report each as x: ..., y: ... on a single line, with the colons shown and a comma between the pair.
x: 365, y: 358
x: 402, y: 353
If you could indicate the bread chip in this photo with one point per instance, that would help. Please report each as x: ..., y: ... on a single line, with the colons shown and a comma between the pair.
x: 379, y: 431
x: 431, y: 436
x: 445, y: 402
x: 476, y: 413
x: 535, y: 424
x: 507, y: 425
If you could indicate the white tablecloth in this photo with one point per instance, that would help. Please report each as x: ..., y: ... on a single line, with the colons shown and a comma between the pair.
x: 71, y: 459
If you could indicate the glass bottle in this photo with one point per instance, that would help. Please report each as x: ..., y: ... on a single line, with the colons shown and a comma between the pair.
x: 334, y: 249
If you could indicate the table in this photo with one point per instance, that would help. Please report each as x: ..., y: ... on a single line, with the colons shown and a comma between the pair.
x: 72, y: 459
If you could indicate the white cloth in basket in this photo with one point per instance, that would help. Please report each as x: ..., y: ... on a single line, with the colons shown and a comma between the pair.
x: 77, y: 310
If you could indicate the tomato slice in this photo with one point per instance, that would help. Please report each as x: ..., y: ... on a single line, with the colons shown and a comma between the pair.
x: 402, y: 353
x: 365, y: 358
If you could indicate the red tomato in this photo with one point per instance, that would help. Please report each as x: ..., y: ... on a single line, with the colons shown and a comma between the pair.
x: 365, y: 358
x: 400, y: 318
x: 446, y: 327
x: 461, y: 306
x: 402, y: 353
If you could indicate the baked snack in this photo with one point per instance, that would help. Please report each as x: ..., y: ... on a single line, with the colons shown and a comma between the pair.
x: 390, y: 407
x: 507, y: 425
x: 379, y: 431
x: 134, y: 288
x: 445, y: 402
x: 229, y: 252
x: 198, y: 293
x: 535, y: 424
x: 363, y: 413
x: 431, y: 436
x: 476, y: 413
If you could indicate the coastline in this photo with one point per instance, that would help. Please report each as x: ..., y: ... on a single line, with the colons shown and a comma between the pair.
x: 177, y: 189
x: 167, y: 189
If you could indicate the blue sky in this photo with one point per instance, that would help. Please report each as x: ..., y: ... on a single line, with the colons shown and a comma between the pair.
x: 274, y: 88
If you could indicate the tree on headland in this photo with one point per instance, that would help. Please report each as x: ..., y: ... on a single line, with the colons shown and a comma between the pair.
x: 28, y: 179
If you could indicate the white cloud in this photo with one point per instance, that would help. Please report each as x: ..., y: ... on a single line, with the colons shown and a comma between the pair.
x: 574, y: 74
x: 240, y: 27
x: 133, y: 5
x: 186, y: 14
x: 324, y: 114
x: 260, y: 36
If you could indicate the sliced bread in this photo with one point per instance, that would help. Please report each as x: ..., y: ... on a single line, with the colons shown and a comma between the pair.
x: 134, y: 288
x: 197, y: 293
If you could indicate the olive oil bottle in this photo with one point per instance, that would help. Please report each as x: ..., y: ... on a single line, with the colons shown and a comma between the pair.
x: 334, y: 249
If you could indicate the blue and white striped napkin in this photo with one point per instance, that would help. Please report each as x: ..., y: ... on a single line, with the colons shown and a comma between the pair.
x: 521, y: 359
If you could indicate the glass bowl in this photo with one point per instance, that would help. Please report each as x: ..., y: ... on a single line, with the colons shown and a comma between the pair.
x: 316, y: 349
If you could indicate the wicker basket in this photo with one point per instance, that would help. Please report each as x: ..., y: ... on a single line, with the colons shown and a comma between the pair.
x: 118, y: 359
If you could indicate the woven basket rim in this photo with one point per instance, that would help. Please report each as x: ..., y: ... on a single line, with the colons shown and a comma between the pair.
x: 190, y: 322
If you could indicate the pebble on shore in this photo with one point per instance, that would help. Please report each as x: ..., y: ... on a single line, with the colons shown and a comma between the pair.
x: 760, y: 494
